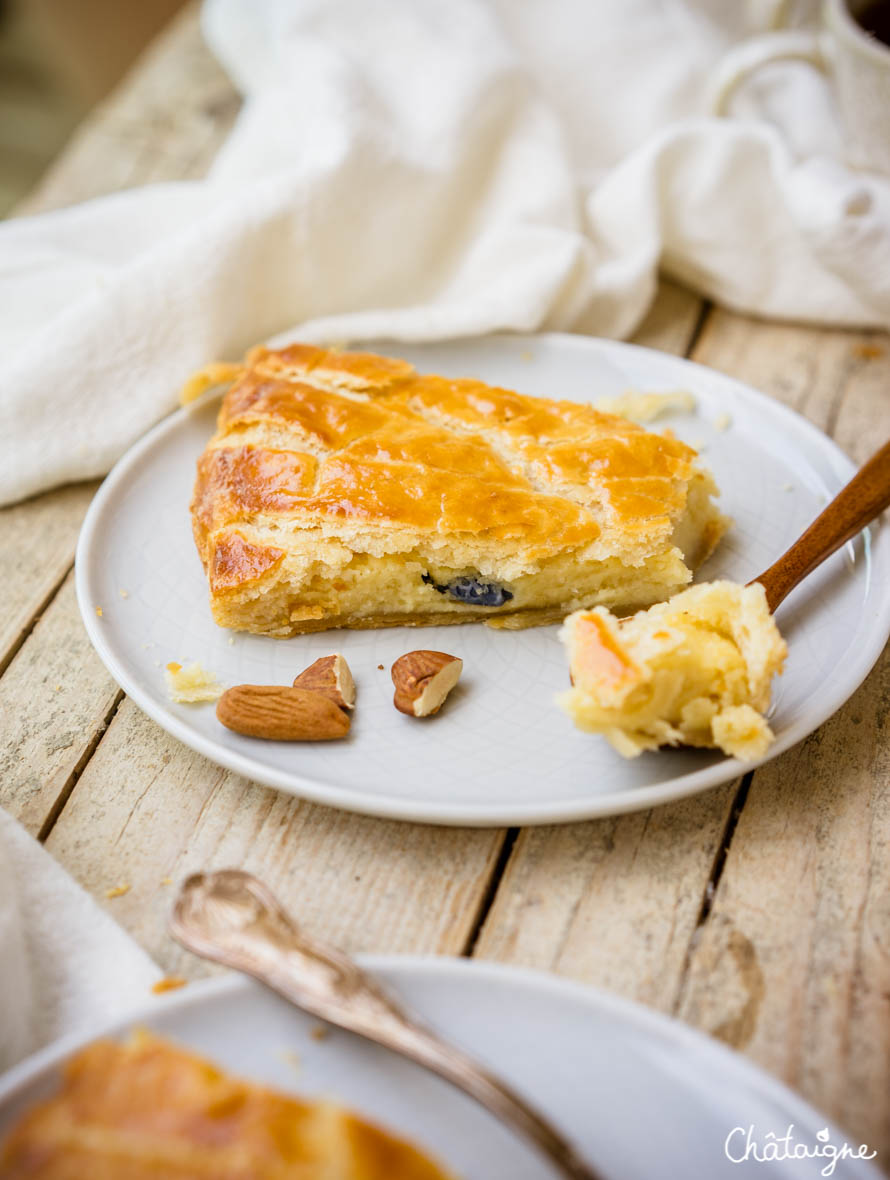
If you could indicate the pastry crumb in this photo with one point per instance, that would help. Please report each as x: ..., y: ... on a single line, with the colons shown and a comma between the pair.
x: 644, y: 407
x: 117, y: 891
x: 722, y: 422
x: 868, y: 352
x: 124, y: 593
x: 319, y: 1032
x: 231, y: 641
x: 166, y: 880
x: 191, y: 685
x: 379, y: 667
x: 99, y: 611
x: 527, y: 355
x: 168, y: 984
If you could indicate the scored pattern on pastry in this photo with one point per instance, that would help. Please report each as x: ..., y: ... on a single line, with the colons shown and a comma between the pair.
x: 345, y: 489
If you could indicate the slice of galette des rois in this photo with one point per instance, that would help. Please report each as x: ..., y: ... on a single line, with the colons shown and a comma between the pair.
x: 343, y: 489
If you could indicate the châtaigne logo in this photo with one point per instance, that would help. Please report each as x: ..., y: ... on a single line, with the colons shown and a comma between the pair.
x: 743, y: 1144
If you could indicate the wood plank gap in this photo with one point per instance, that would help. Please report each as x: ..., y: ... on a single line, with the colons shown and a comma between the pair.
x: 71, y: 782
x: 698, y: 327
x: 710, y: 890
x: 490, y: 893
x: 18, y: 643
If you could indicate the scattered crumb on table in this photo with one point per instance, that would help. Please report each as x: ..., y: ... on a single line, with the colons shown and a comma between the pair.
x: 231, y: 641
x: 166, y: 880
x: 379, y: 667
x: 168, y: 984
x: 124, y: 593
x: 868, y: 352
x: 99, y: 611
x: 319, y: 1032
x: 117, y: 891
x: 527, y: 355
x: 722, y: 422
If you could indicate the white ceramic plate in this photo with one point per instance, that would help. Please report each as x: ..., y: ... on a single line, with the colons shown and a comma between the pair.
x: 500, y: 752
x: 643, y: 1097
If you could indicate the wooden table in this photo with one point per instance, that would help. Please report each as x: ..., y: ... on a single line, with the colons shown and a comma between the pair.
x: 758, y: 912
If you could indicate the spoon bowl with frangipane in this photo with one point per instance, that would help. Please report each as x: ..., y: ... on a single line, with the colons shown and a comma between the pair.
x: 697, y: 670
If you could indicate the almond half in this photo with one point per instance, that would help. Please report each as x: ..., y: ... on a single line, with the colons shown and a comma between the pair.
x: 330, y: 676
x: 281, y: 713
x: 423, y: 680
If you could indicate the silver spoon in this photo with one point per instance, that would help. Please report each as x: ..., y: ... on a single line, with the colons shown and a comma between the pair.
x: 232, y: 918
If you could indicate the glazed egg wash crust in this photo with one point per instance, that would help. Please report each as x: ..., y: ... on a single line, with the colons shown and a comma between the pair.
x: 348, y: 490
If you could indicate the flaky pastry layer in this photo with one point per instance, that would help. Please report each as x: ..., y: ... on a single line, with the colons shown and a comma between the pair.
x: 347, y: 490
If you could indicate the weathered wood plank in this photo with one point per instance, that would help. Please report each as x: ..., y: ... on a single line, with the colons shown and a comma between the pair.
x: 55, y: 699
x: 614, y: 902
x: 37, y: 542
x: 672, y: 319
x: 147, y: 809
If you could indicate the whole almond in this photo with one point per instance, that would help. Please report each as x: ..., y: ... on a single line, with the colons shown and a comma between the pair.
x: 330, y: 676
x: 281, y: 713
x: 423, y: 679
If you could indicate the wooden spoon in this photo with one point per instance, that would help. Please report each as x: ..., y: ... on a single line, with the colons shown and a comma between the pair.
x: 856, y: 505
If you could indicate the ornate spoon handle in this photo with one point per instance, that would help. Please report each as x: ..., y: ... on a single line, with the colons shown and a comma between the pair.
x: 232, y: 918
x: 855, y: 505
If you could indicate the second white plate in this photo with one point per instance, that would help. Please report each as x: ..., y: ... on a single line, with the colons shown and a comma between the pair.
x: 643, y: 1097
x: 500, y: 752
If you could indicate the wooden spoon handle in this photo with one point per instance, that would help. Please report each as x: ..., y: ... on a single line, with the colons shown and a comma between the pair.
x: 865, y: 496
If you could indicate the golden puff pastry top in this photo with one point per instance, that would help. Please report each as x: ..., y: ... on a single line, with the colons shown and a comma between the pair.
x: 149, y: 1110
x: 378, y: 454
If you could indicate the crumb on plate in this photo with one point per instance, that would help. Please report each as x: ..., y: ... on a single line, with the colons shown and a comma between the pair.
x: 722, y: 422
x: 117, y: 891
x: 168, y: 984
x: 644, y: 407
x: 191, y: 684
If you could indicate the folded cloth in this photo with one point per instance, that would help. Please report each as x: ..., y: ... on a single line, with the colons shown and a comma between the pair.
x: 65, y: 966
x: 419, y: 170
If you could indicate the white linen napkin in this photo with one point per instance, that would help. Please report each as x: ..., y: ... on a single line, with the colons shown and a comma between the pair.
x: 418, y: 170
x: 65, y: 966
